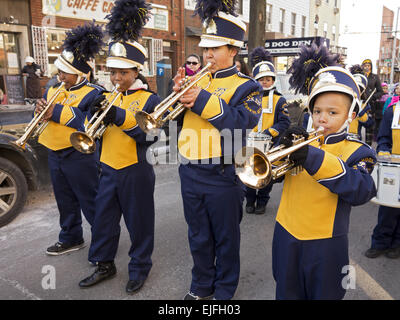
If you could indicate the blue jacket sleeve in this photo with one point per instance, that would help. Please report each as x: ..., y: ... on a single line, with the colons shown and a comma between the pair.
x: 369, y: 122
x: 242, y: 112
x: 350, y: 180
x: 384, y: 138
x: 74, y: 117
x: 138, y: 134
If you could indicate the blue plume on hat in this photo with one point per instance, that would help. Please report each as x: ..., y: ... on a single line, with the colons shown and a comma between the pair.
x: 84, y: 41
x: 307, y: 64
x: 260, y: 54
x: 206, y: 9
x: 127, y: 19
x: 355, y: 69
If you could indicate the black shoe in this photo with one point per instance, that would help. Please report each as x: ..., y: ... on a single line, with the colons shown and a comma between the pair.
x: 260, y: 209
x: 134, y: 285
x: 374, y: 253
x: 104, y: 270
x: 250, y: 208
x: 192, y: 296
x: 60, y: 248
x: 393, y: 253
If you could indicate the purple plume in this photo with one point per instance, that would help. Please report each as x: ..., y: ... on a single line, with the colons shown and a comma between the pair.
x: 206, y: 9
x: 84, y: 41
x: 307, y: 64
x: 258, y: 55
x: 127, y: 19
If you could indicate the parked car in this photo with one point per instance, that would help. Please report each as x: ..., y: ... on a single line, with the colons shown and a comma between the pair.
x: 20, y: 169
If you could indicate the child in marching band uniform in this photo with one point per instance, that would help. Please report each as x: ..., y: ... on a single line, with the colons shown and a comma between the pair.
x: 364, y: 118
x: 386, y: 235
x: 74, y: 175
x: 274, y: 119
x: 127, y: 180
x: 310, y: 244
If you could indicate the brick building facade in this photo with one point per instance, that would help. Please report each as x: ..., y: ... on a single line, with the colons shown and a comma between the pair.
x: 162, y: 36
x: 386, y: 47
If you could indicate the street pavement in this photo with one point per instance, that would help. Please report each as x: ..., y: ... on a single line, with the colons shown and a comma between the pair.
x: 27, y: 273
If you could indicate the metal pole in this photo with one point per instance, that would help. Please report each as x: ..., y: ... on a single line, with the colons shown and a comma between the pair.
x: 394, y: 47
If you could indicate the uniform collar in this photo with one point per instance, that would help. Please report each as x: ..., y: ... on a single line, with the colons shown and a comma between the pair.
x: 224, y: 73
x: 78, y: 86
x: 335, y: 137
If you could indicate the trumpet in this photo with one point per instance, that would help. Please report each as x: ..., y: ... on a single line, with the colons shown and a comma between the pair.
x: 256, y: 169
x: 151, y: 123
x: 85, y: 142
x: 36, y: 126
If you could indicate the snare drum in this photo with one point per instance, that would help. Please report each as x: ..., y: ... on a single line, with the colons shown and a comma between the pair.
x: 259, y: 140
x: 386, y: 176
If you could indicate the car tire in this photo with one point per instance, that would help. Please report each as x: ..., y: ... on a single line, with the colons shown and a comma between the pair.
x: 13, y: 191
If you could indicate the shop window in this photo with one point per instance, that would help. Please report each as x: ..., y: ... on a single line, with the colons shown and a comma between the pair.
x: 281, y: 20
x: 293, y: 26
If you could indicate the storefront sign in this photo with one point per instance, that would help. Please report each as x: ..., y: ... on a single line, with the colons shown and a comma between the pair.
x: 98, y: 10
x: 290, y: 46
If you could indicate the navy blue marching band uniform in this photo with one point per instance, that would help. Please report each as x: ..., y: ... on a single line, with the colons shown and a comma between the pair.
x: 212, y: 194
x: 127, y: 180
x: 386, y: 234
x: 274, y: 120
x: 74, y: 175
x: 310, y: 244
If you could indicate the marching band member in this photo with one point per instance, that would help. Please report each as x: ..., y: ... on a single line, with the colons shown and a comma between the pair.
x: 74, y: 175
x: 212, y: 194
x: 273, y: 121
x: 364, y: 118
x: 386, y: 235
x: 310, y: 244
x: 127, y: 180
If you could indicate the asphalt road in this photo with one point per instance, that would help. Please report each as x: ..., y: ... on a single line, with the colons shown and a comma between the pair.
x: 27, y: 273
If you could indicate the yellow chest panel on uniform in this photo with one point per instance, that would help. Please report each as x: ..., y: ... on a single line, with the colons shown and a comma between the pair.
x: 307, y: 208
x: 56, y: 136
x: 199, y: 139
x: 118, y: 149
x: 268, y: 118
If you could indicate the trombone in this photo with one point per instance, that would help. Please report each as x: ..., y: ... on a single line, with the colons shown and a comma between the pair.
x: 151, y: 123
x: 37, y: 124
x: 85, y: 141
x: 256, y: 169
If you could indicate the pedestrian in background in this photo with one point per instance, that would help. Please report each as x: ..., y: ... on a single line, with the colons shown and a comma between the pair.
x: 393, y: 99
x: 242, y: 66
x: 373, y: 83
x: 191, y: 66
x: 33, y: 72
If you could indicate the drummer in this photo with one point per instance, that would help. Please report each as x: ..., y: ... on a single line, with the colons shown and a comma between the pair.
x: 274, y: 119
x: 386, y: 235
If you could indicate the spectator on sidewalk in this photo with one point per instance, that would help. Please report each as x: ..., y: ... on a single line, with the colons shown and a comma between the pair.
x: 33, y: 73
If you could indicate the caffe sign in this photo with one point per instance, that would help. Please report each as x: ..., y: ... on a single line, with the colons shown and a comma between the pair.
x: 98, y: 10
